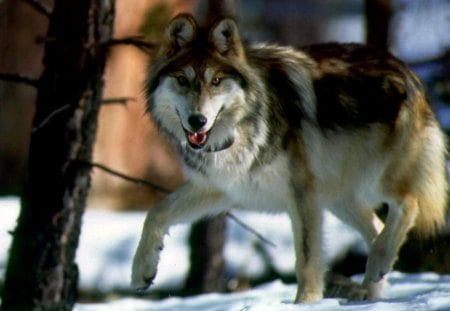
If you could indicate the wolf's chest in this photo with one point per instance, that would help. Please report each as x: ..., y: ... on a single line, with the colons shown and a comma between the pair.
x: 266, y: 189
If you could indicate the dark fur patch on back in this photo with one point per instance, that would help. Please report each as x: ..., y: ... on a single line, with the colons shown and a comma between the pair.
x: 357, y: 85
x: 353, y: 102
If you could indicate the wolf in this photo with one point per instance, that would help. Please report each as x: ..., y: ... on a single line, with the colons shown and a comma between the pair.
x: 270, y: 128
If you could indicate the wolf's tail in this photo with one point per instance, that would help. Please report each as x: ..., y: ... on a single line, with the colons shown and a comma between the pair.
x: 432, y: 184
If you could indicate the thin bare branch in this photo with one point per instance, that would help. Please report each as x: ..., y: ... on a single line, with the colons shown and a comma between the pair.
x: 247, y: 227
x: 137, y: 41
x: 124, y: 176
x: 118, y: 100
x: 40, y: 7
x: 49, y: 118
x: 122, y: 100
x: 14, y: 77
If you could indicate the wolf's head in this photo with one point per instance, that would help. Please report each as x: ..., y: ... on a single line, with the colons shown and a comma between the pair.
x: 197, y: 83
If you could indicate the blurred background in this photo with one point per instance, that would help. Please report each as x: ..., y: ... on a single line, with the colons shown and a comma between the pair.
x: 414, y: 30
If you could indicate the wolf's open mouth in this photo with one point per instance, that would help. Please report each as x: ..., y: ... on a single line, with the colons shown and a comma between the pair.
x: 197, y: 140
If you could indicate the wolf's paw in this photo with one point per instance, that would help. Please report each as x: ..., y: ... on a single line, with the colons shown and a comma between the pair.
x: 374, y: 289
x: 308, y: 297
x: 309, y: 294
x: 379, y: 263
x: 344, y: 287
x: 144, y: 268
x: 377, y: 273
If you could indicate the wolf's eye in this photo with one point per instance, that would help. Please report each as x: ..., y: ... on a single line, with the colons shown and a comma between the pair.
x: 216, y: 81
x: 182, y: 80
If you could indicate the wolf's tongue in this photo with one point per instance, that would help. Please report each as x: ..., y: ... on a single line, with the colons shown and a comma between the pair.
x: 197, y: 139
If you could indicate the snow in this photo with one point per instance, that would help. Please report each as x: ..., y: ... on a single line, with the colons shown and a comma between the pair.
x: 422, y: 30
x: 108, y: 241
x: 427, y: 291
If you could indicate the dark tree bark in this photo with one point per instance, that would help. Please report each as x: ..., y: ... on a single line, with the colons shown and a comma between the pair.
x: 42, y: 273
x: 207, y: 270
x: 378, y: 16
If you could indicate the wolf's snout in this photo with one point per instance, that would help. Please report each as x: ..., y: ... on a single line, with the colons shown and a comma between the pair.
x: 197, y: 121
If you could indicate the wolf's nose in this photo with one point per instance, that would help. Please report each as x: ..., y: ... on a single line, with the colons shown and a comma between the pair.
x: 197, y: 121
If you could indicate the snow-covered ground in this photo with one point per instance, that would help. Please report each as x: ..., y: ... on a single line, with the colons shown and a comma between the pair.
x: 427, y: 291
x: 109, y: 239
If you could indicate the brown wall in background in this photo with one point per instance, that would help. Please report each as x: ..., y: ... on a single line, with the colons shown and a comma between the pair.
x: 20, y: 52
x: 126, y: 140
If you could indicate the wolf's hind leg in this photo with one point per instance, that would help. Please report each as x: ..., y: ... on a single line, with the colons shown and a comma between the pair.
x: 187, y: 204
x: 363, y: 219
x: 360, y: 217
x: 383, y: 253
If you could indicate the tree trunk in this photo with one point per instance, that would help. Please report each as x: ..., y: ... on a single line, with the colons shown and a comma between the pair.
x: 41, y: 272
x: 207, y: 270
x: 378, y: 16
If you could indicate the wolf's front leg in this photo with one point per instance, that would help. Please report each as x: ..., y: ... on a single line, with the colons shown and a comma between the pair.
x: 306, y: 221
x: 187, y: 204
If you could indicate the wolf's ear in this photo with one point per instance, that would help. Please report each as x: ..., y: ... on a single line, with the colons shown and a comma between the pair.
x: 225, y: 38
x: 180, y: 31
